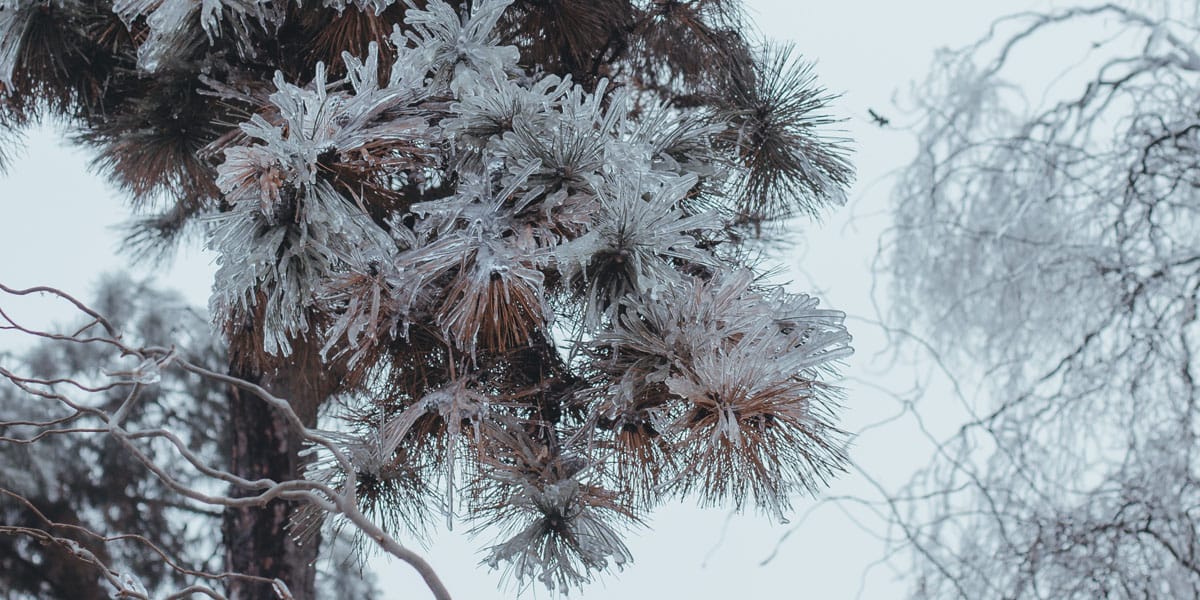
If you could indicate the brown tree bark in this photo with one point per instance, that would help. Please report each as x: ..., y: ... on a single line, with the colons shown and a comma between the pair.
x: 264, y: 445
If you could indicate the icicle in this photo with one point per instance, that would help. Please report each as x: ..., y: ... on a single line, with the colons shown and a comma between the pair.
x: 13, y: 23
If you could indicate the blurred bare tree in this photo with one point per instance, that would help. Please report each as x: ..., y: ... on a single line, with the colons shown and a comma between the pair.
x: 1054, y: 247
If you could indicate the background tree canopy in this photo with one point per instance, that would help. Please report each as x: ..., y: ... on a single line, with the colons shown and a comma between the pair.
x: 1052, y: 246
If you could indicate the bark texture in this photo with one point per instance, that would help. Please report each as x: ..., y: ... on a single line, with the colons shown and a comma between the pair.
x: 264, y: 445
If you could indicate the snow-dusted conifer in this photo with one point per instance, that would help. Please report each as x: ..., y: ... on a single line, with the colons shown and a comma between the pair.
x: 521, y: 273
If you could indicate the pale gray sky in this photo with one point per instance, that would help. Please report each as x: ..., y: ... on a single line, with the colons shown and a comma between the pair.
x: 56, y: 222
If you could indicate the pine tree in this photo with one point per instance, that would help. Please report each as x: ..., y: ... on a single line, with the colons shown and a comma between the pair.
x: 514, y: 240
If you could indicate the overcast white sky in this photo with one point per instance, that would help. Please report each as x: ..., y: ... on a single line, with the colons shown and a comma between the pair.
x: 56, y: 224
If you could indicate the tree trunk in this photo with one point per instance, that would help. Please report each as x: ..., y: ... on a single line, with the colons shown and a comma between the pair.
x: 263, y: 445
